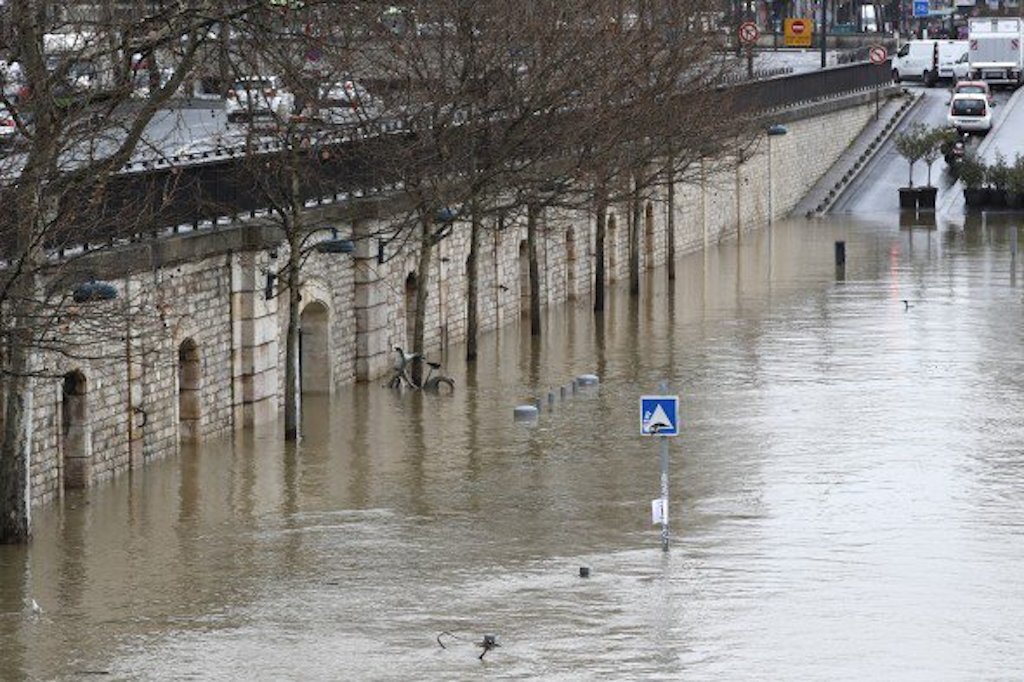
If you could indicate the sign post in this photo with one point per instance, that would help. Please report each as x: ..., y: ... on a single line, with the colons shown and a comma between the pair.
x: 748, y: 35
x: 877, y: 54
x: 659, y: 416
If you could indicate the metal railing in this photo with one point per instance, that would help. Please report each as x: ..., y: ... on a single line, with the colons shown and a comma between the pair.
x: 788, y: 91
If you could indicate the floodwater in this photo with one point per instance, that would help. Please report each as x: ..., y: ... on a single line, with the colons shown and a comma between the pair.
x: 847, y: 498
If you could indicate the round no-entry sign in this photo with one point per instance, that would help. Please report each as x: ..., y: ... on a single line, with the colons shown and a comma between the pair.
x: 878, y: 54
x: 748, y: 32
x: 798, y: 27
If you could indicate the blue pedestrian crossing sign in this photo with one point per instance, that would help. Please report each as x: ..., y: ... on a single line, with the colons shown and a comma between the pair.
x: 659, y: 415
x: 921, y: 8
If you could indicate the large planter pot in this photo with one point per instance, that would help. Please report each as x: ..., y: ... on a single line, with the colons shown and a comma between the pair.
x: 926, y: 197
x: 908, y: 198
x: 976, y: 197
x: 924, y: 219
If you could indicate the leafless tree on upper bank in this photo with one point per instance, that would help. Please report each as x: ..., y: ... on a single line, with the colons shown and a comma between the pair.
x: 81, y: 115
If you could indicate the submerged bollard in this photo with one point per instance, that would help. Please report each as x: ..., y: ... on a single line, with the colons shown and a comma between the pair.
x: 584, y: 571
x: 525, y: 413
x: 561, y: 391
x: 551, y: 398
x: 840, y: 254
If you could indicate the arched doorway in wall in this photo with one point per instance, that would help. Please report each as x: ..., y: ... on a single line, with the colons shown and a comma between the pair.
x: 649, y: 235
x: 570, y: 264
x: 75, y: 431
x: 410, y: 310
x: 314, y: 356
x: 190, y: 379
x: 611, y: 243
x: 524, y: 278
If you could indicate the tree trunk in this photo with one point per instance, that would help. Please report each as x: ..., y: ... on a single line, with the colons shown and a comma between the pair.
x: 16, y: 449
x: 472, y: 282
x: 34, y: 207
x: 670, y: 222
x: 292, y: 375
x: 634, y: 238
x: 15, y: 519
x: 422, y: 287
x: 224, y: 59
x: 532, y: 225
x: 601, y: 210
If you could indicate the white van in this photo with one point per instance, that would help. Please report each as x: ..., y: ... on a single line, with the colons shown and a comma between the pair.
x: 928, y: 60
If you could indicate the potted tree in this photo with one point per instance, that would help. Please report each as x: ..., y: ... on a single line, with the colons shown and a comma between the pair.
x: 972, y: 175
x: 1015, y: 188
x: 931, y: 144
x: 911, y: 145
x: 998, y: 180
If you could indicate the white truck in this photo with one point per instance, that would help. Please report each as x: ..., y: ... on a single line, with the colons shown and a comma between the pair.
x: 996, y: 50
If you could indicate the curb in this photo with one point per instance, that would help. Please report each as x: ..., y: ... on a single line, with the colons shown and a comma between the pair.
x: 854, y: 171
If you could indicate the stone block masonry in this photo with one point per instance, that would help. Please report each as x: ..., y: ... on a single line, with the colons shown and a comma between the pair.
x: 194, y: 344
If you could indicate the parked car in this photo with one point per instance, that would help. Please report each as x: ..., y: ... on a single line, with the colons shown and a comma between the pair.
x: 970, y: 112
x: 974, y: 88
x: 8, y: 128
x: 341, y: 103
x: 257, y: 96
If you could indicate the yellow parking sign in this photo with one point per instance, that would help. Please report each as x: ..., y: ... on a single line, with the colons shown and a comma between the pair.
x: 798, y: 32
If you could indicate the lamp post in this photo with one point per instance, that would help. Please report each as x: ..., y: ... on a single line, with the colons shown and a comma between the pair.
x: 773, y: 131
x: 824, y: 37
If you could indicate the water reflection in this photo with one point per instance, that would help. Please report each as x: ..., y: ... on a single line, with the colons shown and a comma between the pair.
x: 847, y: 496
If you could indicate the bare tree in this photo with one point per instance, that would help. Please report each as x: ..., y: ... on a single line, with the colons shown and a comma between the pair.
x: 78, y: 124
x: 301, y: 112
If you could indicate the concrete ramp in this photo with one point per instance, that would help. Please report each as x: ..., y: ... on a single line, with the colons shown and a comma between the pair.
x: 892, y: 110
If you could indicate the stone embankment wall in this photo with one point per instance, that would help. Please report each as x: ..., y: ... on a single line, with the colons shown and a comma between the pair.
x: 194, y: 344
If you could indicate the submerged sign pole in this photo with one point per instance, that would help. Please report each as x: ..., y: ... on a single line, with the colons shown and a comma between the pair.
x: 659, y: 416
x: 664, y: 492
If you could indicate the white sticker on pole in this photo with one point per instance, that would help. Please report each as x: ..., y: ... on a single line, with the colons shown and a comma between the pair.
x: 659, y: 511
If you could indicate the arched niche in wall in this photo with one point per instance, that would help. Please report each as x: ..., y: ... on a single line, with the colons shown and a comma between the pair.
x: 314, y: 348
x: 75, y: 431
x: 190, y: 380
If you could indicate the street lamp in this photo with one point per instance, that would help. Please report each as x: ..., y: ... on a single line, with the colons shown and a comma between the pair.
x: 774, y: 130
x: 92, y: 291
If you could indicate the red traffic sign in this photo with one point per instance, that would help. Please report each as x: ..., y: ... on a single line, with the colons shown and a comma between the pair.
x: 798, y: 27
x: 878, y: 54
x: 748, y: 32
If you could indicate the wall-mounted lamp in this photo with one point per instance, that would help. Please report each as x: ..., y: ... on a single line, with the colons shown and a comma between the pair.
x: 446, y: 215
x: 335, y: 244
x: 91, y: 291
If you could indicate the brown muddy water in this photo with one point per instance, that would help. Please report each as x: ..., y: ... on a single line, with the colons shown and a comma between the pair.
x: 847, y: 498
